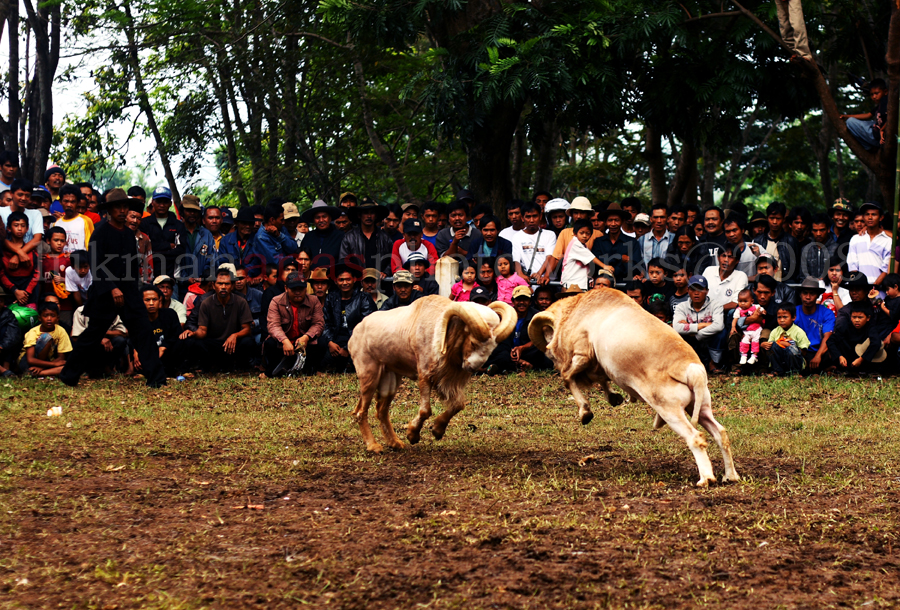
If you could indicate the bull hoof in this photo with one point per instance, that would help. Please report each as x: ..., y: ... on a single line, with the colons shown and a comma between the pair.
x: 398, y: 446
x: 705, y: 482
x: 731, y: 479
x: 413, y: 436
x: 374, y: 448
x: 438, y: 434
x: 586, y: 418
x: 616, y: 399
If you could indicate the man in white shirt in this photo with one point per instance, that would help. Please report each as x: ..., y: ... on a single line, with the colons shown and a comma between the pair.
x: 514, y: 215
x: 725, y: 283
x: 870, y: 252
x: 532, y: 245
x: 21, y: 198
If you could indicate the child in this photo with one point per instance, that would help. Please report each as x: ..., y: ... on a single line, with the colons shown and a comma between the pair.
x: 271, y: 276
x: 417, y: 264
x: 578, y: 258
x: 543, y: 298
x: 750, y: 340
x: 507, y: 279
x: 463, y: 288
x: 660, y: 310
x: 53, y: 273
x: 852, y: 347
x: 679, y: 289
x: 887, y: 312
x: 78, y: 276
x: 787, y: 343
x: 656, y: 282
x: 19, y: 280
x: 46, y: 345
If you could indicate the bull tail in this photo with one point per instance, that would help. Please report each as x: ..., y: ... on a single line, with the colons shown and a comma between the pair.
x: 695, y: 377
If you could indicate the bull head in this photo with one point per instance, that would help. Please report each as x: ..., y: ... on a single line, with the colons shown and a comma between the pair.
x: 478, y: 328
x: 479, y: 340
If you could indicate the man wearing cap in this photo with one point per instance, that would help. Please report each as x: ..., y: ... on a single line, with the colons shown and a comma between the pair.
x: 841, y: 214
x: 115, y: 292
x: 344, y: 309
x: 411, y: 242
x: 615, y: 249
x: 167, y: 235
x: 655, y: 244
x: 228, y: 216
x: 699, y: 319
x: 370, y: 281
x: 480, y: 295
x: 200, y: 245
x: 238, y: 248
x: 403, y: 291
x: 348, y: 200
x: 291, y: 222
x: 580, y: 209
x: 322, y: 244
x: 455, y: 239
x: 54, y: 178
x: 40, y: 199
x: 365, y: 245
x: 21, y: 197
x: 871, y: 251
x: 78, y: 227
x: 294, y: 322
x: 757, y: 225
x: 166, y: 287
x: 410, y: 210
x: 817, y: 321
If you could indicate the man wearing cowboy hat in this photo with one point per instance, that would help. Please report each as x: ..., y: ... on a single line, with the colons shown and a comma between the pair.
x: 322, y: 244
x: 817, y: 321
x: 114, y: 292
x: 365, y: 245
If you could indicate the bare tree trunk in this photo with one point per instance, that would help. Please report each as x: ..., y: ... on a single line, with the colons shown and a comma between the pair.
x: 518, y: 159
x: 488, y: 156
x: 237, y: 182
x: 9, y: 129
x: 659, y: 192
x: 707, y: 191
x: 545, y: 141
x: 44, y: 23
x: 684, y: 173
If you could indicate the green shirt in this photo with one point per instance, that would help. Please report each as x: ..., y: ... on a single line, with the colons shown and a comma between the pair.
x: 794, y: 333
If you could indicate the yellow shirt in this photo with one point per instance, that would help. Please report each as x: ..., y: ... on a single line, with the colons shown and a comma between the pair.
x: 60, y: 341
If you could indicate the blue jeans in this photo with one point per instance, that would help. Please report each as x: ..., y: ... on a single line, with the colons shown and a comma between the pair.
x: 719, y: 344
x: 862, y: 131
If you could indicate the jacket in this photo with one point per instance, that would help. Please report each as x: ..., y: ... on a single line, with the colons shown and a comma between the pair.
x: 202, y: 257
x: 353, y: 249
x: 816, y: 258
x: 788, y: 253
x: 393, y: 301
x: 231, y: 251
x: 323, y: 247
x: 10, y: 336
x: 280, y: 317
x: 711, y: 313
x: 359, y: 306
x: 501, y: 246
x: 162, y: 240
x: 273, y: 249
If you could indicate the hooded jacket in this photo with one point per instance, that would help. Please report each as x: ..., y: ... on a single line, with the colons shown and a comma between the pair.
x: 710, y: 313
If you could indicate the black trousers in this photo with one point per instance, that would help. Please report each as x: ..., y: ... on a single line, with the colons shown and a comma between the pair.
x: 501, y: 359
x: 209, y: 354
x: 102, y: 311
x: 100, y: 359
x: 172, y: 359
x: 273, y: 353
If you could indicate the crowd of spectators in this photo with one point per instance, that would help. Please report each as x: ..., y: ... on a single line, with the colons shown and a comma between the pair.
x: 274, y: 290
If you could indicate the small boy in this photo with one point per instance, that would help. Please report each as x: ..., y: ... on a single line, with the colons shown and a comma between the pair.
x: 417, y: 264
x: 787, y: 343
x: 887, y: 312
x: 271, y: 276
x: 19, y: 279
x: 543, y: 298
x: 657, y: 282
x: 578, y: 258
x: 53, y: 273
x: 78, y: 276
x: 853, y: 348
x: 46, y: 345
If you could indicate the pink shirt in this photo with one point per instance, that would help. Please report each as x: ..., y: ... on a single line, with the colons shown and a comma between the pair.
x: 506, y: 285
x: 459, y: 292
x: 743, y: 313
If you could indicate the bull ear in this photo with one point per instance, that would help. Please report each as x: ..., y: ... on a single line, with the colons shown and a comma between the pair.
x: 507, y: 320
x: 541, y: 328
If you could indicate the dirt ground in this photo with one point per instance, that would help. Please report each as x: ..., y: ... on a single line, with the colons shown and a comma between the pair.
x: 583, y: 524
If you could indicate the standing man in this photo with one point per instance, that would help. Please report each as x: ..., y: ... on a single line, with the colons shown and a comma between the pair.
x: 841, y: 215
x: 114, y: 292
x: 322, y: 244
x: 145, y: 252
x: 778, y: 243
x: 734, y: 236
x: 820, y: 254
x: 365, y: 245
x: 655, y: 244
x: 292, y: 222
x: 271, y: 243
x: 455, y: 239
x: 870, y: 251
x: 166, y: 233
x: 212, y: 220
x: 725, y: 282
x: 348, y: 200
x: 54, y: 178
x: 615, y: 249
x: 532, y: 245
x: 9, y: 168
x: 200, y: 246
x: 237, y: 247
x: 514, y: 215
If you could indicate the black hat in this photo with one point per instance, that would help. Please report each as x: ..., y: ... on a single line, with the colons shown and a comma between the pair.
x: 464, y: 195
x: 857, y: 281
x: 295, y: 280
x: 869, y: 205
x: 758, y: 218
x: 40, y: 191
x: 368, y: 205
x: 245, y: 215
x: 412, y: 225
x: 118, y: 196
x: 479, y: 292
x: 53, y: 170
x: 353, y: 270
x: 319, y: 206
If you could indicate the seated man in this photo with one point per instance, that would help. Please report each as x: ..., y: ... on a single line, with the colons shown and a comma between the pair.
x: 104, y: 361
x: 517, y: 351
x: 867, y: 127
x: 699, y: 320
x: 344, y: 308
x: 10, y: 340
x: 854, y: 348
x: 166, y: 287
x: 46, y: 346
x: 411, y: 243
x: 817, y: 321
x: 294, y: 323
x: 223, y: 338
x: 166, y: 331
x: 370, y: 281
x: 403, y: 291
x: 768, y: 265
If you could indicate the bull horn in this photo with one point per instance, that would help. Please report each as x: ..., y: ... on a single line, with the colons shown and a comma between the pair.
x: 508, y: 319
x: 536, y: 329
x: 478, y: 328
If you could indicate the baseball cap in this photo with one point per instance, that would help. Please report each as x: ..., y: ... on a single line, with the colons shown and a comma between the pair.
x: 294, y: 281
x: 161, y: 192
x: 416, y: 257
x: 227, y: 216
x: 290, y: 211
x: 464, y: 195
x: 371, y: 273
x: 642, y: 219
x: 479, y: 293
x: 191, y: 202
x: 163, y: 279
x: 869, y: 205
x: 348, y: 195
x: 698, y: 280
x: 521, y: 291
x: 40, y: 191
x: 411, y: 225
x: 403, y: 277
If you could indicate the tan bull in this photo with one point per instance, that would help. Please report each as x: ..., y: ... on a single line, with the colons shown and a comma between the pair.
x: 602, y: 336
x: 436, y: 341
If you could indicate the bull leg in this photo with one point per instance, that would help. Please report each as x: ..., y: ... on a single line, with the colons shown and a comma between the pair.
x: 368, y: 384
x: 414, y: 429
x: 575, y: 388
x: 455, y: 403
x: 719, y: 434
x: 386, y: 391
x: 612, y: 397
x: 681, y: 425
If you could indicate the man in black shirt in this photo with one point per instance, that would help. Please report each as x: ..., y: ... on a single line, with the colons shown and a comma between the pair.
x: 167, y: 234
x: 116, y: 270
x: 166, y: 333
x: 323, y: 244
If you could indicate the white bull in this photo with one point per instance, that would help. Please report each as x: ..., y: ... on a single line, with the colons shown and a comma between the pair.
x: 604, y: 335
x: 436, y: 341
